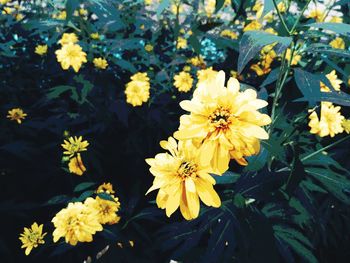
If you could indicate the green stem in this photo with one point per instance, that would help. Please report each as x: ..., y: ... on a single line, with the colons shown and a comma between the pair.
x: 280, y: 17
x: 299, y: 17
x: 325, y: 148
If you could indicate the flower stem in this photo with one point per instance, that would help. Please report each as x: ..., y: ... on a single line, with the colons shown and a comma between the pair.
x: 280, y: 17
x: 299, y: 17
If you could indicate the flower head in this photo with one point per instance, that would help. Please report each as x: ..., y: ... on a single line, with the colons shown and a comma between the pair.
x: 16, y: 114
x: 74, y: 145
x: 182, y: 179
x: 138, y: 89
x: 229, y: 33
x: 181, y: 43
x: 346, y: 125
x: 71, y: 55
x: 68, y: 38
x: 105, y: 188
x: 149, y: 48
x: 225, y: 121
x: 330, y: 122
x: 107, y: 209
x: 76, y: 165
x: 296, y: 57
x: 183, y: 81
x: 32, y: 237
x: 41, y: 49
x: 76, y: 223
x: 338, y: 42
x: 95, y: 36
x: 333, y: 79
x: 254, y: 25
x: 100, y: 63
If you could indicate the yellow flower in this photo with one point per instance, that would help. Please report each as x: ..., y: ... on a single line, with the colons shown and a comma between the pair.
x: 148, y: 2
x: 41, y: 49
x: 187, y: 68
x: 61, y: 15
x: 183, y: 81
x: 76, y: 223
x: 16, y: 114
x: 197, y: 61
x: 317, y: 14
x: 32, y: 237
x: 83, y: 12
x: 174, y: 8
x: 71, y: 55
x: 182, y: 179
x: 138, y: 89
x: 254, y: 25
x: 100, y: 63
x: 74, y: 145
x: 95, y: 36
x: 333, y: 79
x: 105, y: 187
x: 68, y: 38
x: 346, y: 125
x: 337, y: 43
x: 330, y: 122
x: 296, y: 57
x: 76, y: 165
x: 149, y: 48
x: 4, y: 2
x: 225, y: 121
x: 181, y: 43
x: 209, y: 7
x: 229, y: 33
x: 206, y: 74
x: 107, y: 210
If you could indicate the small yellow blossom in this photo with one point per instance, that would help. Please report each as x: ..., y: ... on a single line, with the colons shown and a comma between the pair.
x: 16, y: 114
x: 229, y: 33
x: 71, y: 55
x: 181, y: 43
x: 254, y: 25
x: 95, y: 36
x: 187, y: 68
x: 32, y: 237
x: 333, y: 79
x: 296, y: 57
x: 105, y: 187
x: 175, y: 8
x: 74, y: 145
x: 148, y: 2
x: 41, y: 49
x: 4, y: 2
x: 107, y: 209
x: 346, y: 125
x: 76, y: 223
x: 100, y: 63
x: 197, y: 61
x: 337, y: 43
x: 83, y: 12
x: 149, y: 48
x: 76, y: 165
x: 131, y: 243
x: 138, y: 89
x: 330, y: 122
x: 183, y: 81
x: 61, y: 15
x: 68, y: 38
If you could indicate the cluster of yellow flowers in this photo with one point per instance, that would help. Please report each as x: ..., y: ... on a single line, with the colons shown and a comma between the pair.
x: 78, y: 222
x: 73, y: 146
x: 137, y: 90
x: 223, y: 124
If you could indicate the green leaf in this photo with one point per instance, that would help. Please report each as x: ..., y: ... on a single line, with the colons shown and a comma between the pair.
x: 59, y: 199
x: 269, y: 6
x: 83, y: 186
x: 218, y: 5
x: 195, y: 43
x: 339, y: 28
x: 83, y: 196
x: 164, y: 4
x: 106, y: 196
x: 227, y: 177
x: 253, y: 41
x: 55, y: 92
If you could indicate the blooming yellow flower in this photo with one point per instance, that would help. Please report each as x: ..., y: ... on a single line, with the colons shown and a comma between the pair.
x: 225, y: 121
x: 100, y: 63
x: 197, y: 61
x: 107, y: 210
x: 105, y: 187
x: 71, y: 55
x: 76, y: 223
x: 76, y: 165
x: 229, y: 33
x: 138, y: 89
x: 83, y: 12
x: 182, y: 179
x: 338, y: 42
x: 95, y: 36
x: 254, y: 25
x: 32, y: 237
x: 181, y: 43
x: 333, y: 79
x: 296, y: 57
x: 41, y: 49
x: 206, y: 74
x: 68, y: 38
x: 148, y: 47
x: 74, y: 145
x: 16, y: 114
x: 62, y: 15
x: 330, y: 122
x: 346, y: 125
x: 183, y: 81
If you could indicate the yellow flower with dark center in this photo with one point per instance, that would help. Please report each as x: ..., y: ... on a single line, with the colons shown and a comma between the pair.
x: 333, y: 79
x: 148, y: 47
x: 100, y: 63
x: 76, y: 223
x: 16, y: 114
x: 105, y: 187
x: 181, y: 43
x: 68, y: 38
x: 183, y: 81
x: 74, y: 145
x: 76, y: 165
x: 107, y: 209
x: 225, y: 121
x: 71, y: 55
x: 330, y: 122
x: 138, y: 89
x: 337, y: 43
x: 95, y: 36
x: 32, y: 237
x: 254, y: 25
x: 41, y: 49
x: 182, y: 179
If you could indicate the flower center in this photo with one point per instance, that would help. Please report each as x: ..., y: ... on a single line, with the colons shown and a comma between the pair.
x: 33, y: 237
x: 187, y: 169
x: 220, y: 118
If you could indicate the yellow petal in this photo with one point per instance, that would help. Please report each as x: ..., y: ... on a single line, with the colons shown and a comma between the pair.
x: 190, y: 186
